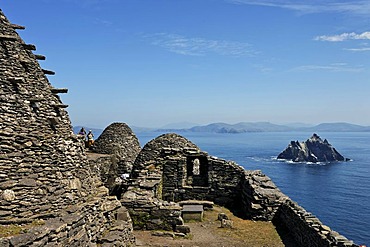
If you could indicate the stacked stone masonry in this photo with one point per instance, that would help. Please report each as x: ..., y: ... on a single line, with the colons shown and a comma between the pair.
x: 182, y: 172
x: 260, y: 196
x: 103, y: 222
x: 307, y: 229
x: 44, y: 174
x: 41, y: 160
x: 106, y: 168
x: 143, y: 196
x: 118, y: 139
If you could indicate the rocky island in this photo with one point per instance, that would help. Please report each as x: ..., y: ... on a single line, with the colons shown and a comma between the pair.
x: 313, y: 150
x: 54, y: 192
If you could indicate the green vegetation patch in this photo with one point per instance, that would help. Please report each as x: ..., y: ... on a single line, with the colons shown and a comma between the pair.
x: 11, y: 230
x: 251, y: 233
x: 140, y: 219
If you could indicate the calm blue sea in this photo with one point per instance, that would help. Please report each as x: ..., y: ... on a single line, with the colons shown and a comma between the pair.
x: 337, y: 193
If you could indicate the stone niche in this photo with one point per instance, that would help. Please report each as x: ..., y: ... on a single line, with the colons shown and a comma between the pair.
x: 196, y: 171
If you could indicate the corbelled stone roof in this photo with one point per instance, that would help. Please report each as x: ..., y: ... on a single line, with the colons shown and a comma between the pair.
x: 151, y: 152
x: 119, y: 139
x: 42, y: 164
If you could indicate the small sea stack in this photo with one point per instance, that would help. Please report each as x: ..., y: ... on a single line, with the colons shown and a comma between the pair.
x: 312, y: 150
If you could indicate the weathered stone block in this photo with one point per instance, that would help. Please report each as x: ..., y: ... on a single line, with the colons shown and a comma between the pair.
x: 122, y: 214
x: 111, y: 205
x: 27, y: 182
x: 227, y: 223
x: 222, y: 216
x: 8, y: 195
x: 8, y: 184
x: 183, y: 229
x: 163, y: 234
x: 23, y: 239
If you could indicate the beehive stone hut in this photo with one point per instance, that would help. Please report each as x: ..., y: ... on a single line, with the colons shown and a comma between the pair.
x: 178, y: 170
x: 152, y: 153
x: 48, y: 192
x: 171, y: 170
x: 44, y: 175
x: 143, y: 196
x: 120, y: 140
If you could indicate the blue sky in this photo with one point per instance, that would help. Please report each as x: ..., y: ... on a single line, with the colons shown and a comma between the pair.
x: 150, y: 63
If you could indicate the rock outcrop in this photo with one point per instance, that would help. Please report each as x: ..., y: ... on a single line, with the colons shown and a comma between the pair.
x: 313, y: 150
x: 55, y: 197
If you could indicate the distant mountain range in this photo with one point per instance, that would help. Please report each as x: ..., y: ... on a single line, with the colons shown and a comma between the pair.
x: 244, y: 127
x: 240, y: 127
x: 179, y: 125
x: 270, y: 127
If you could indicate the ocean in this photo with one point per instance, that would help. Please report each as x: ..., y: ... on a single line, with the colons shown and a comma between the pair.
x: 337, y: 193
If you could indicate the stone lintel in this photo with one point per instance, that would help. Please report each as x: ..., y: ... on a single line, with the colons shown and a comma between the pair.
x: 60, y: 106
x: 30, y: 47
x: 16, y: 26
x: 59, y: 90
x: 40, y: 57
x: 48, y: 72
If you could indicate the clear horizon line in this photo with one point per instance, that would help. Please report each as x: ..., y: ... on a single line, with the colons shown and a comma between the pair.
x: 219, y: 122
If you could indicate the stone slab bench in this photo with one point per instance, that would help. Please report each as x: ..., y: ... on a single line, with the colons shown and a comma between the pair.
x: 192, y: 212
x: 206, y: 204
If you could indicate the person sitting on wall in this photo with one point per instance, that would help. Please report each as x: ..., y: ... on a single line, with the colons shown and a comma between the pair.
x: 90, y: 139
x: 82, y: 133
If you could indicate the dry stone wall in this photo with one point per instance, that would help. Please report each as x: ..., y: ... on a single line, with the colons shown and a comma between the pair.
x: 307, y: 229
x: 149, y: 212
x: 221, y: 183
x: 151, y: 153
x: 118, y: 139
x: 103, y: 222
x: 40, y: 160
x: 106, y: 168
x: 259, y: 196
x: 166, y: 164
x: 164, y: 174
x: 262, y: 200
x: 177, y: 173
x: 143, y: 196
x: 44, y: 173
x: 45, y: 176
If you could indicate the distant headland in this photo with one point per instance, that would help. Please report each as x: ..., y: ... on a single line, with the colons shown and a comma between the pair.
x: 245, y: 127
